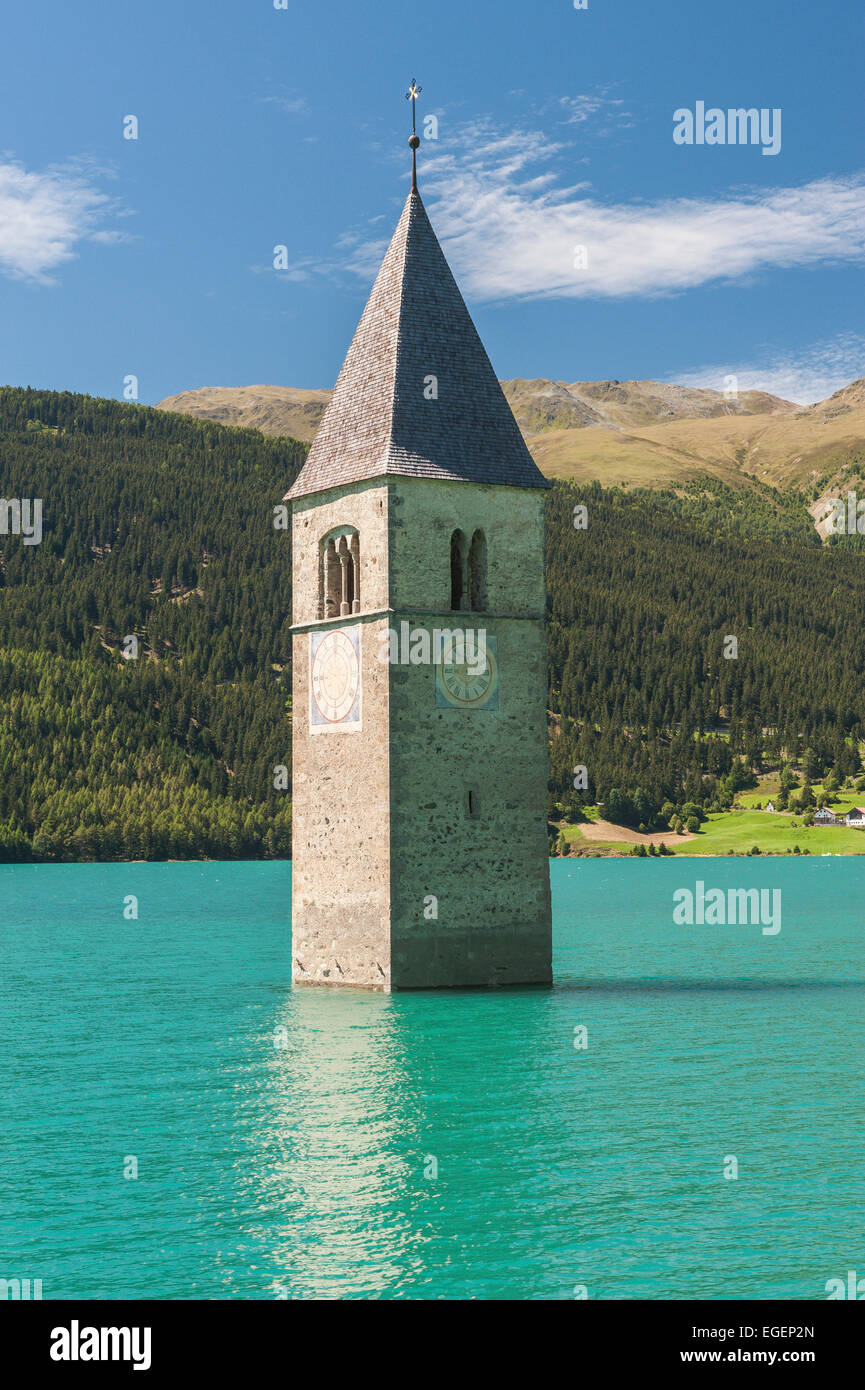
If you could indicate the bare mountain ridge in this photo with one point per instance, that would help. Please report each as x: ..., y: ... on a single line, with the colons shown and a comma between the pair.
x: 849, y: 398
x: 538, y: 405
x: 274, y: 410
x: 637, y: 433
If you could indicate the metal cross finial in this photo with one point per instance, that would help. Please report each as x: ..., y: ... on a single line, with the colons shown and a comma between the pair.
x: 412, y: 95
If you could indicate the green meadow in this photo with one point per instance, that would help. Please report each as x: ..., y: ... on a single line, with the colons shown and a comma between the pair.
x: 772, y: 833
x: 752, y: 800
x: 738, y: 831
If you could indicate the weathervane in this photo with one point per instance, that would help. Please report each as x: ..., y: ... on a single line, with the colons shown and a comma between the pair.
x: 412, y: 95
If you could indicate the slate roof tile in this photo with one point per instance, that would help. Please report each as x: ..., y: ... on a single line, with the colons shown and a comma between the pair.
x: 379, y: 422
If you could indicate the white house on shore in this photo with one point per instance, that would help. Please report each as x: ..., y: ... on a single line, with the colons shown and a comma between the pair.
x: 855, y: 817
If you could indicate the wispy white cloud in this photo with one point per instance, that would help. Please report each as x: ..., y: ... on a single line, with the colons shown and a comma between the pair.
x: 512, y: 233
x: 292, y: 104
x: 605, y: 113
x: 804, y: 376
x: 44, y: 217
x: 299, y: 271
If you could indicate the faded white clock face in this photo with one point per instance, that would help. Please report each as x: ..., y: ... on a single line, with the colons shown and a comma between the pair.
x: 335, y: 676
x: 464, y: 684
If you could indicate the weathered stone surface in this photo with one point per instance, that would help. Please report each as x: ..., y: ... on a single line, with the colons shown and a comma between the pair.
x: 423, y: 517
x: 340, y: 893
x: 363, y: 506
x: 381, y: 817
x: 420, y: 853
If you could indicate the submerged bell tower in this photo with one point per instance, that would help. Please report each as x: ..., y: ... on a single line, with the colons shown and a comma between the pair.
x: 419, y: 745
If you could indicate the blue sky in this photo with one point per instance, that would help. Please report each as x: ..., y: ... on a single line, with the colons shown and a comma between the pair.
x: 261, y: 127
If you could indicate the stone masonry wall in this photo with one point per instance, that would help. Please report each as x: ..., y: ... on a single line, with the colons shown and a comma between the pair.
x: 381, y: 816
x: 341, y: 786
x: 362, y: 505
x: 489, y: 871
x: 340, y: 888
x: 423, y: 517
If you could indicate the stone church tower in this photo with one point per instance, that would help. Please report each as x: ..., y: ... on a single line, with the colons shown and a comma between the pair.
x: 420, y: 855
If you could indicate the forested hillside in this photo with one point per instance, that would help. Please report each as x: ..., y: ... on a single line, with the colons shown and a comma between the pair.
x: 641, y: 604
x: 160, y: 527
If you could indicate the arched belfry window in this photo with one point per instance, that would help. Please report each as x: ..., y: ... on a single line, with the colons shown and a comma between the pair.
x: 339, y: 592
x: 478, y: 572
x: 459, y: 572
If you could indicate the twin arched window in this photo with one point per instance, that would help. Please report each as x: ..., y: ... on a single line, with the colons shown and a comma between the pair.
x: 340, y: 573
x: 468, y: 572
x: 339, y: 590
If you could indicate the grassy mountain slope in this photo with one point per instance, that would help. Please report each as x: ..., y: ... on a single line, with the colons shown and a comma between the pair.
x: 630, y: 433
x: 784, y: 450
x: 275, y: 410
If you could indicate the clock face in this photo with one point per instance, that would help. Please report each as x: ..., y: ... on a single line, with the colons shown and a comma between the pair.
x: 335, y: 677
x: 462, y: 685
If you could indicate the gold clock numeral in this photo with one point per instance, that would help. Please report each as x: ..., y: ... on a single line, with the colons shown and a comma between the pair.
x: 335, y: 676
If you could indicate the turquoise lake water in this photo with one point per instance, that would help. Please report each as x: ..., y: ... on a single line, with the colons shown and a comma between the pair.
x: 304, y: 1170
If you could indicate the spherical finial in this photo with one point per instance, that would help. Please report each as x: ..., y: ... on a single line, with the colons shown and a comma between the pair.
x: 412, y: 95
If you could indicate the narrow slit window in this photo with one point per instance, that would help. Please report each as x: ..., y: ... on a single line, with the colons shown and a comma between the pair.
x: 459, y: 595
x: 478, y: 572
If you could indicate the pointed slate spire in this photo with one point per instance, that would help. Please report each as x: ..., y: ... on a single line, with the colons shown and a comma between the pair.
x: 417, y: 395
